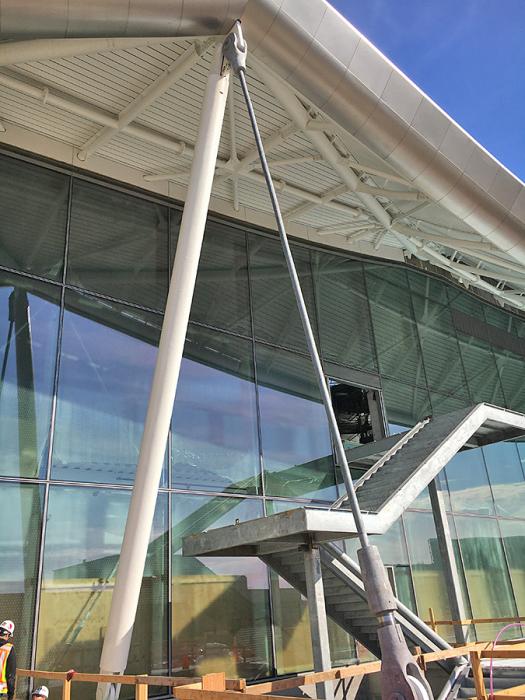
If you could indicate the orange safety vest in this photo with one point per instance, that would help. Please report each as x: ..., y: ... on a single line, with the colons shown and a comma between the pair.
x: 5, y: 650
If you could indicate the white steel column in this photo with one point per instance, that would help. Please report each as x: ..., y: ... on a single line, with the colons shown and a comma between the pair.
x: 140, y: 516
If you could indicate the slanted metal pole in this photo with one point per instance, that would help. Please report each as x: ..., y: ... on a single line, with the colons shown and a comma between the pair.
x: 318, y: 621
x: 401, y: 677
x: 450, y: 569
x: 149, y: 468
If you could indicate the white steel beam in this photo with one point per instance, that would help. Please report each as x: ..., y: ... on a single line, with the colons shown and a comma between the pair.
x: 178, y: 69
x: 449, y: 241
x: 301, y: 118
x: 280, y: 186
x: 250, y: 160
x: 83, y: 109
x: 301, y: 209
x: 13, y: 52
x: 324, y: 146
x: 160, y: 407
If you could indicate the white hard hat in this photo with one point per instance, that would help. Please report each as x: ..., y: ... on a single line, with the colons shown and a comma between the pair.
x: 8, y: 626
x: 42, y: 691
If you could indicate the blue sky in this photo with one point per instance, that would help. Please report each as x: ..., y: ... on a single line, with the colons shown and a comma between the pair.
x: 467, y: 55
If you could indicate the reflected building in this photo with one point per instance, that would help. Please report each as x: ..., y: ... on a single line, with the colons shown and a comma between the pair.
x: 85, y: 263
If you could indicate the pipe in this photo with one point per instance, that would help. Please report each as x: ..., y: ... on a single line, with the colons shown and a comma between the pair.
x: 140, y: 516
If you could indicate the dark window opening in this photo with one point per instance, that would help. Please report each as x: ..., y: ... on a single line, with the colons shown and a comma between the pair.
x: 353, y: 413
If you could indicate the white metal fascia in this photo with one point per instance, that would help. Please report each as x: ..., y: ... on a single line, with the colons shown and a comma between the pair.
x: 333, y: 66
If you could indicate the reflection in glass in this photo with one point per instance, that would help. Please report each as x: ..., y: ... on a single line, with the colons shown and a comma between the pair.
x: 296, y: 445
x: 481, y: 370
x: 510, y: 367
x: 441, y: 357
x: 118, y: 245
x: 506, y: 477
x: 33, y: 201
x: 513, y: 534
x: 275, y: 315
x: 220, y: 604
x: 291, y: 628
x: 29, y: 314
x: 215, y: 442
x: 221, y: 295
x: 291, y: 622
x: 427, y: 568
x: 344, y: 318
x: 468, y: 483
x: 106, y: 368
x: 486, y: 573
x: 394, y: 554
x: 405, y: 404
x: 83, y: 540
x: 20, y: 523
x: 394, y: 328
x: 442, y: 403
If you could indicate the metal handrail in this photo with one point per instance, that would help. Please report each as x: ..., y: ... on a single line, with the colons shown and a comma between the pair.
x: 391, y: 452
x: 414, y: 620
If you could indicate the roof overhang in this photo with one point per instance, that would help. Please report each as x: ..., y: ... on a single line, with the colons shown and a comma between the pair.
x: 323, y: 70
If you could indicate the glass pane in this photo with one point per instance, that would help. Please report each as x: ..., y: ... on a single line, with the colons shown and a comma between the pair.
x: 514, y: 543
x: 106, y: 368
x: 20, y: 523
x: 344, y: 317
x: 275, y: 315
x: 221, y: 295
x: 291, y: 622
x: 486, y: 573
x: 481, y: 370
x: 506, y: 332
x: 441, y: 357
x: 442, y: 404
x: 394, y: 328
x: 29, y: 315
x: 468, y: 483
x: 118, y: 245
x: 83, y: 539
x: 433, y: 290
x: 394, y: 554
x: 506, y: 477
x: 510, y: 368
x: 33, y: 202
x: 466, y: 303
x: 215, y: 443
x: 427, y: 569
x: 405, y: 404
x: 296, y: 445
x: 220, y: 604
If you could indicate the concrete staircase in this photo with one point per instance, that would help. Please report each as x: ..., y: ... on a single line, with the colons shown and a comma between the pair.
x: 345, y: 598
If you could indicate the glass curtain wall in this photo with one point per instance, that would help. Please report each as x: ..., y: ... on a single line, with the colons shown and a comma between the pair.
x: 85, y: 270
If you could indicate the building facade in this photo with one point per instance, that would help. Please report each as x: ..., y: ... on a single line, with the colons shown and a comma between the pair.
x: 85, y: 264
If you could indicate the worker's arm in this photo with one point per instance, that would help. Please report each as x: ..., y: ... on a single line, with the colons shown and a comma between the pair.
x: 10, y: 674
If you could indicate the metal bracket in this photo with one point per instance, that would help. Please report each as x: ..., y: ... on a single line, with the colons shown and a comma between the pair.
x: 235, y: 49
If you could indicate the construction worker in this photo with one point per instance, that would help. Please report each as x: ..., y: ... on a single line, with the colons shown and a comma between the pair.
x: 7, y: 660
x: 40, y: 692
